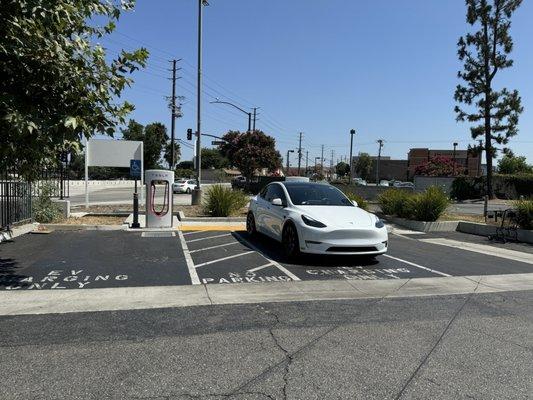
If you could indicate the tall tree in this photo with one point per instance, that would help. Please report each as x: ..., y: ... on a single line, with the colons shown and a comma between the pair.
x: 363, y: 165
x: 511, y: 164
x: 154, y: 137
x: 57, y: 83
x: 251, y: 151
x: 168, y: 152
x: 342, y: 169
x: 484, y: 52
x: 213, y: 158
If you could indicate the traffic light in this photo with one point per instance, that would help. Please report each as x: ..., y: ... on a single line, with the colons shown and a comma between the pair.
x: 189, y: 134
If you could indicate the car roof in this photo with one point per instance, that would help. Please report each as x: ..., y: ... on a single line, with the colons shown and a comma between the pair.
x: 289, y: 184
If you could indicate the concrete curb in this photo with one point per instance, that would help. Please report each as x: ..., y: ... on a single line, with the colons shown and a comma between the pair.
x: 214, y: 219
x: 69, y: 227
x: 478, y: 229
x: 422, y: 226
x: 17, y: 230
x: 132, y: 298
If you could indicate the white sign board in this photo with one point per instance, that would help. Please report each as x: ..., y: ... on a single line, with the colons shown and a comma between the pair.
x: 113, y: 153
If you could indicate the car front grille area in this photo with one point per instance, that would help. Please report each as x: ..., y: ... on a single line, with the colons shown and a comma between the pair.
x: 351, y: 249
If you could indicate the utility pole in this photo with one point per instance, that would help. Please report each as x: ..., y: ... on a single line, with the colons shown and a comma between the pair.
x: 352, y: 132
x: 306, y: 162
x: 300, y: 153
x: 322, y: 162
x: 380, y: 142
x: 175, y: 112
x: 197, y: 193
x: 331, y: 164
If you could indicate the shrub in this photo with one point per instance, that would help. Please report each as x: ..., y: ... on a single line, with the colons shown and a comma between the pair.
x: 525, y: 213
x: 429, y: 205
x: 395, y: 202
x: 464, y: 188
x: 362, y: 203
x: 222, y: 201
x: 44, y: 210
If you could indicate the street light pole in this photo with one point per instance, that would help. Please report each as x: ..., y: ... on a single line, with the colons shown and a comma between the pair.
x: 217, y: 101
x: 288, y: 164
x: 197, y: 192
x: 380, y: 142
x: 454, y: 152
x: 352, y: 132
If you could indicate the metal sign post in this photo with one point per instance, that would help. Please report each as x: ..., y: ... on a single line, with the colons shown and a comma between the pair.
x: 135, y: 173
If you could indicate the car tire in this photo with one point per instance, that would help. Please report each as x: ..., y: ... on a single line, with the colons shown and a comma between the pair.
x: 250, y: 224
x: 188, y: 191
x: 290, y: 241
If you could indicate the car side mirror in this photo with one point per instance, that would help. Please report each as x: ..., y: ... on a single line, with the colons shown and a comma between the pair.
x: 355, y: 203
x: 277, y: 202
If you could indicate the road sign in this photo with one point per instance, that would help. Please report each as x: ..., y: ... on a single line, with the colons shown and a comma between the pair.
x: 135, y: 169
x: 217, y: 142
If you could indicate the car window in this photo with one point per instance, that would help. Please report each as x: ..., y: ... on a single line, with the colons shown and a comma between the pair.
x: 277, y: 193
x: 263, y: 192
x: 317, y: 195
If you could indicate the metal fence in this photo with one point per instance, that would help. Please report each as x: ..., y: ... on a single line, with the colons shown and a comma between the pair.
x: 15, y: 201
x: 57, y: 180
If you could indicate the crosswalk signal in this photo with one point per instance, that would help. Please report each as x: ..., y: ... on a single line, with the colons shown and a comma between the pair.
x: 189, y: 134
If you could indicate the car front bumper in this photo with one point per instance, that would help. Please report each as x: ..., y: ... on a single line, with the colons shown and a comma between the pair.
x: 356, y: 241
x: 179, y: 189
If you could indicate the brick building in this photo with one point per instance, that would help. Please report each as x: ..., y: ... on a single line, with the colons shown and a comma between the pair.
x: 468, y: 161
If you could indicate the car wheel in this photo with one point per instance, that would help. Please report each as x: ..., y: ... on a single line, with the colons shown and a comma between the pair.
x: 290, y: 241
x: 188, y: 190
x: 250, y: 224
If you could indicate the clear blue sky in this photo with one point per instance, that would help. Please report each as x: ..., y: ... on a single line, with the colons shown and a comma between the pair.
x: 386, y: 68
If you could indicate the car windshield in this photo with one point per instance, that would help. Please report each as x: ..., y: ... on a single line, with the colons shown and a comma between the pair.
x: 317, y: 195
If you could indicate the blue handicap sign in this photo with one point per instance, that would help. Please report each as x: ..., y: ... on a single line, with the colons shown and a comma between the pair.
x: 135, y: 169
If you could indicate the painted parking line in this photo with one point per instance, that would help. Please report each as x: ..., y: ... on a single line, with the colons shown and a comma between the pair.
x: 416, y: 265
x: 188, y: 259
x: 260, y: 267
x: 214, y: 247
x: 483, y: 249
x: 240, y: 238
x: 223, y: 259
x: 208, y: 237
x: 191, y: 233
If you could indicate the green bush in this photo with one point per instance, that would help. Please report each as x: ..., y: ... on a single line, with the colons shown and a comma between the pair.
x: 223, y: 201
x: 464, y: 188
x: 362, y: 203
x: 525, y: 213
x: 395, y: 202
x: 44, y: 210
x: 429, y: 205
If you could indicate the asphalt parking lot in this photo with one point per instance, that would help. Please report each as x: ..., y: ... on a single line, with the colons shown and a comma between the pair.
x: 96, y: 259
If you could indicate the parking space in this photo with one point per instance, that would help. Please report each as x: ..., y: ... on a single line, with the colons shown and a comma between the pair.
x: 96, y: 259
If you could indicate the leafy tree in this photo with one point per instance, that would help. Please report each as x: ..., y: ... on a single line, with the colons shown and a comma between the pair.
x: 57, y: 83
x: 213, y: 158
x: 154, y: 137
x: 510, y: 164
x: 185, y: 165
x: 168, y: 152
x: 342, y: 169
x: 439, y: 166
x: 363, y: 166
x: 484, y: 52
x: 251, y: 151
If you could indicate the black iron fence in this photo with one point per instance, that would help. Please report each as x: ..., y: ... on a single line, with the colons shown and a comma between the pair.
x: 15, y: 201
x: 57, y: 180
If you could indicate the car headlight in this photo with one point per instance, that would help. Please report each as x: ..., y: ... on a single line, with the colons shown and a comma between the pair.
x: 379, y: 223
x: 312, y: 222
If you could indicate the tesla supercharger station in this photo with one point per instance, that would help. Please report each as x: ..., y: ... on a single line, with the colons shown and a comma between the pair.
x: 159, y: 210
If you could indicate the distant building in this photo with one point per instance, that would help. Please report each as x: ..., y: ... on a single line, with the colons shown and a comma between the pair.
x: 389, y: 169
x: 468, y: 161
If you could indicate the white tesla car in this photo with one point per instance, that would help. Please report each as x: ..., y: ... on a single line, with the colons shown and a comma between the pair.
x: 315, y: 218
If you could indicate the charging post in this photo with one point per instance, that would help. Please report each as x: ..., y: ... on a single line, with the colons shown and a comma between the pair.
x: 135, y: 173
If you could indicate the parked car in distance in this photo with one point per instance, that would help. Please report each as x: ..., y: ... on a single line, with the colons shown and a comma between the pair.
x: 399, y: 184
x: 384, y: 182
x: 184, y: 186
x: 359, y: 181
x: 238, y: 183
x: 317, y: 218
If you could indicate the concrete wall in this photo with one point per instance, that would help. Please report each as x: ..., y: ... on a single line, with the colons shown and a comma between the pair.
x: 423, y: 182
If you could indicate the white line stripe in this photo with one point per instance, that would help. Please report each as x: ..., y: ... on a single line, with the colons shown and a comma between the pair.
x: 417, y: 265
x: 260, y: 267
x: 192, y: 233
x: 275, y: 263
x: 209, y: 237
x: 188, y: 259
x: 484, y: 249
x: 222, y: 259
x: 214, y: 247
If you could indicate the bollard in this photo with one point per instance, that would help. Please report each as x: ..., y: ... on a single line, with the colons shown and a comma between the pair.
x: 135, y: 223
